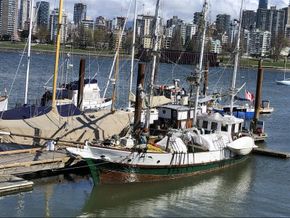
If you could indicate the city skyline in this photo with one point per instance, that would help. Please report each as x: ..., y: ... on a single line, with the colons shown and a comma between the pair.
x: 113, y: 8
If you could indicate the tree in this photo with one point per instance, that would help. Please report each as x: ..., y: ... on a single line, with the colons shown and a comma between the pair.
x: 277, y: 45
x: 176, y: 43
x: 43, y: 34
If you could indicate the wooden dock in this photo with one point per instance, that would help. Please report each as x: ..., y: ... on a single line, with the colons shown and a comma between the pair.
x: 271, y: 153
x: 11, y: 184
x: 19, y: 162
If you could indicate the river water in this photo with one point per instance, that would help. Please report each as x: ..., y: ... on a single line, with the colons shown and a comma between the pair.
x: 260, y: 186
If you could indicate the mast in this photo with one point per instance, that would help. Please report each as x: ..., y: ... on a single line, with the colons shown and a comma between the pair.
x: 233, y: 87
x: 28, y: 52
x: 204, y: 12
x: 133, y: 54
x: 117, y: 52
x: 155, y: 39
x: 114, y: 94
x: 58, y: 39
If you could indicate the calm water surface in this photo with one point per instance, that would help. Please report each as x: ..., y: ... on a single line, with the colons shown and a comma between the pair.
x: 259, y: 186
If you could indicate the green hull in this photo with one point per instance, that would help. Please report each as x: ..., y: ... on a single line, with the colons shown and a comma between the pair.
x: 104, y: 172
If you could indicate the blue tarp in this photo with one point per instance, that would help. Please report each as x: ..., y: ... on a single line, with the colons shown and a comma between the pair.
x: 30, y: 111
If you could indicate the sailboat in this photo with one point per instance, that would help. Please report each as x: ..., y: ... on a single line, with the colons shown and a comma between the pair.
x: 63, y: 123
x: 180, y: 153
x: 285, y: 81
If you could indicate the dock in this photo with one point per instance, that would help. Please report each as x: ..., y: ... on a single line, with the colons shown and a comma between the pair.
x: 11, y: 184
x: 271, y: 153
x: 24, y: 161
x: 15, y: 163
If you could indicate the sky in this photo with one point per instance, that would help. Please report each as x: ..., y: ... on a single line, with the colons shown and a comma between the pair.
x: 183, y: 8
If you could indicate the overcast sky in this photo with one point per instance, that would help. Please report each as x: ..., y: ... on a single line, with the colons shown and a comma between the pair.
x: 183, y: 8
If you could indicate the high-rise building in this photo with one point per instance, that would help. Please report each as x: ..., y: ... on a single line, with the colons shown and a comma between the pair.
x: 223, y: 22
x: 197, y: 17
x: 190, y: 31
x: 249, y: 19
x: 8, y: 18
x: 80, y: 13
x: 53, y: 24
x: 262, y: 15
x: 174, y: 21
x: 100, y: 23
x: 287, y: 19
x: 260, y: 43
x: 43, y: 14
x: 88, y: 24
x: 276, y: 22
x: 24, y: 14
x: 263, y: 4
x: 118, y: 23
x: 261, y: 22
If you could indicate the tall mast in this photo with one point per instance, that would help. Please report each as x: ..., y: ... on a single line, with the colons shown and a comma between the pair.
x: 155, y: 39
x: 58, y: 39
x: 204, y: 13
x: 117, y: 52
x: 28, y: 52
x: 233, y: 92
x: 133, y: 54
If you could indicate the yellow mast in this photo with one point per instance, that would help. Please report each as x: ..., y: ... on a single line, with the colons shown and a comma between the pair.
x: 58, y: 39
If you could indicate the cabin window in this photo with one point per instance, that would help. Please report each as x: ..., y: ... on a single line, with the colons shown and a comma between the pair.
x: 214, y: 126
x: 174, y: 114
x: 233, y: 128
x: 204, y: 124
x: 164, y: 111
x: 224, y: 128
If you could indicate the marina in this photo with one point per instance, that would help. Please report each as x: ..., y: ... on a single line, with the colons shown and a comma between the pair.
x: 106, y: 143
x: 256, y: 169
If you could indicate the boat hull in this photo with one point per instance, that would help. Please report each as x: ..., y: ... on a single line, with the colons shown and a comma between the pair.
x: 110, y: 173
x: 283, y: 82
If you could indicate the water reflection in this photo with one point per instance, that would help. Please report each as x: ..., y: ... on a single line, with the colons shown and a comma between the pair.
x: 202, y: 195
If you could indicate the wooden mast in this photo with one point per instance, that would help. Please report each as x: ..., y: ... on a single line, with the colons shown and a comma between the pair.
x: 58, y: 39
x: 114, y: 94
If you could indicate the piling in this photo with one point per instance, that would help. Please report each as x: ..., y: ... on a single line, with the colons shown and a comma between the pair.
x: 260, y: 77
x: 81, y: 83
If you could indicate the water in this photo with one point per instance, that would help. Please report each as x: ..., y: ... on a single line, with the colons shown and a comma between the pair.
x: 259, y: 186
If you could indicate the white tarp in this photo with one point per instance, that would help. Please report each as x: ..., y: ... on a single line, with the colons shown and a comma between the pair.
x: 175, y: 144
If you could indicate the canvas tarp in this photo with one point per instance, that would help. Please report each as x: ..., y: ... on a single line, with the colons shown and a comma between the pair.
x: 88, y: 126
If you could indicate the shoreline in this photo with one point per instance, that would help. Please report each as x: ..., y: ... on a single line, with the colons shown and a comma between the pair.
x: 45, y: 51
x: 125, y: 56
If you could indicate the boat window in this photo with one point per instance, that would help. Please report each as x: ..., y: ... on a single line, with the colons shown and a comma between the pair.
x: 224, y: 127
x: 233, y: 128
x: 204, y: 124
x: 174, y: 114
x: 213, y: 126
